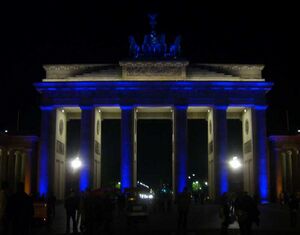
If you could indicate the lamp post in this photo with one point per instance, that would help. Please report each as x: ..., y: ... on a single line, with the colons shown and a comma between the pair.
x: 235, y: 163
x: 236, y: 174
x: 75, y: 164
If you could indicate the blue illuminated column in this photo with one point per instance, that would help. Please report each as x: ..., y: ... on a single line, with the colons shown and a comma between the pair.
x: 86, y: 147
x: 181, y: 154
x: 46, y: 150
x: 127, y: 147
x: 260, y: 154
x: 220, y: 150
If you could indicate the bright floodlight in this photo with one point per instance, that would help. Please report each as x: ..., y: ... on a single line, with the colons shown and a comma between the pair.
x: 76, y: 163
x: 235, y: 163
x: 206, y: 183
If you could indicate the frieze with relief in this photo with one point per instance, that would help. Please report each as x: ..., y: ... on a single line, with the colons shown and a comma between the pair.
x: 153, y: 71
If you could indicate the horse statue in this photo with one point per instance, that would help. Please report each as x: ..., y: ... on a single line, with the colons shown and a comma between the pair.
x: 163, y: 44
x: 175, y: 47
x: 134, y: 48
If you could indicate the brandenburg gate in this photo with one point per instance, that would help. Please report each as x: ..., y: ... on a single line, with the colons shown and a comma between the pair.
x: 153, y: 87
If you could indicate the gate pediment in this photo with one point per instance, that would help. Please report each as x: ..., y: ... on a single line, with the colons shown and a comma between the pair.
x: 154, y: 70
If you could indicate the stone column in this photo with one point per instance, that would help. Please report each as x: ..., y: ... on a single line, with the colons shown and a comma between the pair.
x: 127, y: 147
x: 46, y: 150
x: 11, y: 169
x: 283, y: 170
x: 181, y: 154
x: 220, y: 150
x: 23, y: 164
x: 97, y: 149
x: 260, y: 154
x: 3, y: 164
x: 86, y: 147
x: 135, y: 138
x: 18, y: 163
x: 278, y: 172
x: 289, y: 171
x: 28, y: 170
x: 296, y: 169
x: 248, y: 173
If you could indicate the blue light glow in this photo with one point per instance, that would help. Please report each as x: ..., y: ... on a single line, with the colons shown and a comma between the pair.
x: 181, y: 146
x: 84, y: 179
x: 171, y: 84
x: 145, y: 93
x: 224, y: 182
x: 43, y: 183
x: 261, y: 154
x: 126, y: 147
x: 85, y: 147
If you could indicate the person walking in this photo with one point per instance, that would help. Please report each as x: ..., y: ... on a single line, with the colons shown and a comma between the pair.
x: 51, y: 202
x: 247, y: 213
x: 71, y: 205
x: 225, y: 213
x: 294, y: 207
x: 183, y: 202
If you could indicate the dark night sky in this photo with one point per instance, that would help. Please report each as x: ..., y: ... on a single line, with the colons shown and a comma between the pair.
x: 34, y: 34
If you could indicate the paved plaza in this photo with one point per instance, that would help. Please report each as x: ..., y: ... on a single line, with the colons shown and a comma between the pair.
x: 203, y: 219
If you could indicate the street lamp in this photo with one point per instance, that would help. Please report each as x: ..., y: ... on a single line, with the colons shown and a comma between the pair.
x: 76, y: 163
x: 235, y: 163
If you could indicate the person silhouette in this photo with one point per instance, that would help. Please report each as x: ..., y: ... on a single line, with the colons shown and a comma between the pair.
x: 20, y: 212
x: 3, y: 208
x: 294, y: 207
x: 183, y: 202
x: 71, y: 205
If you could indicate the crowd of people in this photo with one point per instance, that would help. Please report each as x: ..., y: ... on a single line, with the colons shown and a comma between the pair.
x: 16, y: 211
x: 92, y: 211
x: 243, y: 208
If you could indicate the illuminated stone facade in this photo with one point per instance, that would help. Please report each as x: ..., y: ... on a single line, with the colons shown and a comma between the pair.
x: 171, y: 90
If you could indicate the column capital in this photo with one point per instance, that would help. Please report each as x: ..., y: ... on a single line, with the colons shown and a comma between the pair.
x: 127, y: 107
x: 181, y: 107
x: 220, y: 107
x: 85, y: 107
x: 47, y: 108
x: 260, y: 107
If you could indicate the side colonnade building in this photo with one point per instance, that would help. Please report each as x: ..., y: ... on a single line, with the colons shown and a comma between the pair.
x: 284, y: 153
x: 18, y: 161
x: 162, y: 89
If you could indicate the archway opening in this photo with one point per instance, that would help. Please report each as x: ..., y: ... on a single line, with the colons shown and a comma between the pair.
x: 73, y: 150
x: 154, y: 153
x: 110, y: 152
x: 197, y: 158
x: 235, y: 149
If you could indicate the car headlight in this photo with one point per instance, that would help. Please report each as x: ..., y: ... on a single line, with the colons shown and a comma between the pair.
x: 146, y: 196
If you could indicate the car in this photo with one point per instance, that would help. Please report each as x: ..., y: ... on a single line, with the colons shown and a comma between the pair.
x: 137, y: 209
